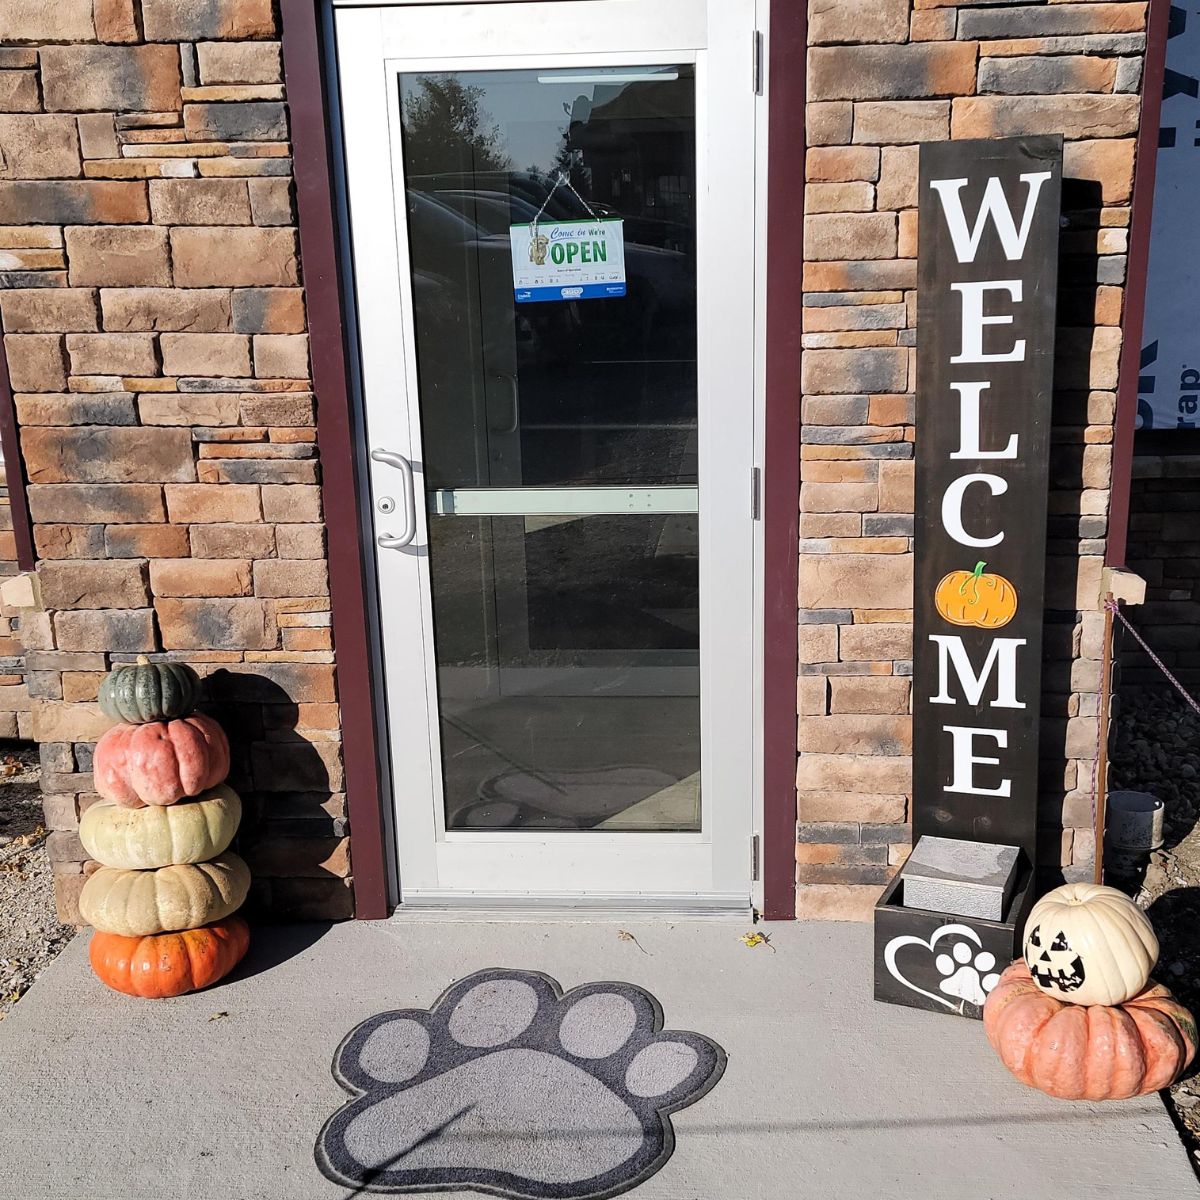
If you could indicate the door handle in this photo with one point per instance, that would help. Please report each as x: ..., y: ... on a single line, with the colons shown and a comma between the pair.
x: 407, y: 496
x: 514, y: 423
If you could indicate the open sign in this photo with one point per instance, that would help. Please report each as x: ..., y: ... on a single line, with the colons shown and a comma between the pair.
x: 566, y: 253
x: 568, y: 260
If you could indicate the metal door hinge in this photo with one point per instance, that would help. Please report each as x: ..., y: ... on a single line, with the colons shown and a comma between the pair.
x: 755, y: 494
x: 756, y: 51
x: 754, y: 858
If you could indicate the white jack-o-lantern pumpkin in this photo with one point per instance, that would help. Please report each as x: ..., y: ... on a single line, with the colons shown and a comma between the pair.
x: 1088, y: 944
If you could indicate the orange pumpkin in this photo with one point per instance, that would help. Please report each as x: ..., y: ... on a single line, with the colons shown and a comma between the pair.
x: 169, y: 964
x: 973, y: 598
x: 161, y: 762
x: 1088, y: 1052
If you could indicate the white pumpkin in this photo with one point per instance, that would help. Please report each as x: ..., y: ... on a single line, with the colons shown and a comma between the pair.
x: 143, y: 839
x: 141, y: 903
x: 1088, y: 944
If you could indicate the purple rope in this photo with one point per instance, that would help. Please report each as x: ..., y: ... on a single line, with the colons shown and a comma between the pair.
x: 1114, y: 608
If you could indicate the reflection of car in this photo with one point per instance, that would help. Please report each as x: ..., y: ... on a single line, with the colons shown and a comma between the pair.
x: 528, y: 188
x: 491, y: 211
x: 443, y: 223
x: 595, y: 389
x: 527, y: 191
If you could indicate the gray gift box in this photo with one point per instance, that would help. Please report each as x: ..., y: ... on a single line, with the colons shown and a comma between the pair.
x: 967, y: 879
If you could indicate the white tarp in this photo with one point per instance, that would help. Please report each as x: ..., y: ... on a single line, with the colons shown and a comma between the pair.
x: 1169, y: 378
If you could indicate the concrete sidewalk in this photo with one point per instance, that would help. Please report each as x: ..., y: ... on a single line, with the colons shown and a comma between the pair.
x: 826, y: 1094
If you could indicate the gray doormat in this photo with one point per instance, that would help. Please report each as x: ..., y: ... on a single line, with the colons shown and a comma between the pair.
x: 508, y: 1086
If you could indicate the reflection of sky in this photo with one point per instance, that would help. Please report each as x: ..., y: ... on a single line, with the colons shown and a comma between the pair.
x: 531, y: 115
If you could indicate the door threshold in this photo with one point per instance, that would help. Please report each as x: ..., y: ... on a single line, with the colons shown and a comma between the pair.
x: 476, y: 907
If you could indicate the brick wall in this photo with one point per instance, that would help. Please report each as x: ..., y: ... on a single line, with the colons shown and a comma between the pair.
x: 155, y: 334
x: 1164, y: 549
x: 885, y: 75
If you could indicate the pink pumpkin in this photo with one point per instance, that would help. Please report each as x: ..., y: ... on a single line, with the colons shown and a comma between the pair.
x: 161, y: 762
x: 1088, y: 1052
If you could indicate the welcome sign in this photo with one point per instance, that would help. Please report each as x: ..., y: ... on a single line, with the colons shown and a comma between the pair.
x: 987, y: 279
x: 989, y: 223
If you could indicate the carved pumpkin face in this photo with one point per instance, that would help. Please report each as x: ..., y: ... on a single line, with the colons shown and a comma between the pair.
x: 1088, y: 944
x: 1052, y: 961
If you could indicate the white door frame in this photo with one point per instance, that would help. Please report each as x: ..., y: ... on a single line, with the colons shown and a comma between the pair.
x: 653, y: 870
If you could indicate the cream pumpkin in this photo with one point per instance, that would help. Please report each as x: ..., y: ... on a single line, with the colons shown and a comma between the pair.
x: 1088, y: 944
x: 139, y: 903
x: 142, y: 839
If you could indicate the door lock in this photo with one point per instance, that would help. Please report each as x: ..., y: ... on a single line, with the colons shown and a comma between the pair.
x: 386, y: 504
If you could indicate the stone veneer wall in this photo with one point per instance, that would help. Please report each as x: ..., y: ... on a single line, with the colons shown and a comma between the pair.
x: 885, y: 75
x: 155, y: 333
x: 1164, y: 549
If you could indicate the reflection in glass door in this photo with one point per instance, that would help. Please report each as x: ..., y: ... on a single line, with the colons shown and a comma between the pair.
x: 559, y: 440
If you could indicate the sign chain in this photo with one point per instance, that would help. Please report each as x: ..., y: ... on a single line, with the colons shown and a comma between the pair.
x: 563, y: 179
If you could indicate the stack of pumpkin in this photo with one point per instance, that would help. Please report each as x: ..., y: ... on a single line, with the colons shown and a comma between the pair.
x: 162, y: 901
x: 1078, y: 1018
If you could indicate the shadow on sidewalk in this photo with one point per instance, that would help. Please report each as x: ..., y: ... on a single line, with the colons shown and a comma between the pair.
x: 273, y: 945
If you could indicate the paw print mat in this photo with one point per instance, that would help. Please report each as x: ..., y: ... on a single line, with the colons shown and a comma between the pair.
x: 509, y: 1087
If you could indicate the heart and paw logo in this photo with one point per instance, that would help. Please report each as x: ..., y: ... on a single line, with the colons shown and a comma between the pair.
x: 954, y: 961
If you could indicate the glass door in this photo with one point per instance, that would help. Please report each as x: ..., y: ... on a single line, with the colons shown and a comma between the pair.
x: 559, y: 439
x: 542, y: 493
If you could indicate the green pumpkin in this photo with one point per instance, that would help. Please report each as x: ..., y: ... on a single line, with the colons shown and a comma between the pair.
x: 141, y: 692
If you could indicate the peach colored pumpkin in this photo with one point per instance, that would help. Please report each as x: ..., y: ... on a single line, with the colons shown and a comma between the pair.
x: 1092, y: 1052
x: 169, y: 964
x: 161, y: 762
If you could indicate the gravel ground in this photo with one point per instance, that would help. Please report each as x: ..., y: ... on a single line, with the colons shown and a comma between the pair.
x: 30, y: 934
x: 1157, y: 749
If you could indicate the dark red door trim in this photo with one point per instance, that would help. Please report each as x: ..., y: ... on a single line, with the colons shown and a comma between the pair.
x: 1135, y: 279
x: 14, y: 467
x: 304, y: 78
x: 781, y: 461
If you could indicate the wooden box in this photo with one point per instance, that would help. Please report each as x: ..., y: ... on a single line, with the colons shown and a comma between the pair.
x: 945, y: 963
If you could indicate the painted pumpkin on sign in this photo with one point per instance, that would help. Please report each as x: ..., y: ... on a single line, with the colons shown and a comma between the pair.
x: 144, y: 691
x: 144, y: 839
x: 160, y: 763
x: 139, y: 903
x: 1089, y: 944
x: 973, y: 598
x: 1097, y: 1052
x: 169, y: 964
